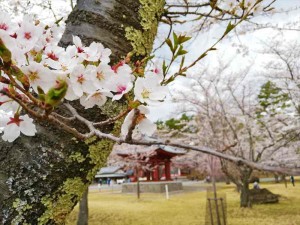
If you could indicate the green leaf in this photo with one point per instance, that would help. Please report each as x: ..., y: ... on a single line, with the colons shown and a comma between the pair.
x: 134, y: 104
x: 182, y: 62
x: 164, y: 67
x: 169, y: 43
x: 203, y: 55
x: 15, y: 71
x: 175, y: 38
x: 229, y: 28
x: 182, y: 39
x: 170, y: 79
x: 5, y: 54
x: 182, y: 52
x: 41, y: 93
x: 57, y: 93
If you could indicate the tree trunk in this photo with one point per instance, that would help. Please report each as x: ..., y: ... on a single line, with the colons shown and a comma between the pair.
x: 276, y: 177
x: 43, y: 177
x: 83, y: 215
x: 244, y: 197
x: 241, y: 181
x: 245, y: 193
x: 284, y: 180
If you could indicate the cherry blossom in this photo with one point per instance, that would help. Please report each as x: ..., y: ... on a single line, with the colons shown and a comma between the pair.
x: 143, y: 126
x: 103, y: 76
x: 6, y: 25
x: 63, y: 61
x: 85, y: 70
x: 16, y: 125
x: 148, y: 90
x: 7, y: 104
x: 98, y: 98
x: 52, y: 54
x: 121, y: 82
x: 39, y: 76
x: 28, y: 34
x: 94, y: 52
x: 82, y: 80
x: 156, y: 71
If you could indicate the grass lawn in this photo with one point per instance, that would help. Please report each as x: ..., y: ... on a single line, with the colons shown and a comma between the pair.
x: 189, y: 208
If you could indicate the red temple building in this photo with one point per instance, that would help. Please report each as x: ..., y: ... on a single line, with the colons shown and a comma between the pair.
x: 151, y: 163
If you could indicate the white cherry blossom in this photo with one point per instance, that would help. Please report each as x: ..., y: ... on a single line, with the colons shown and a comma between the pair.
x: 104, y: 54
x: 28, y: 34
x: 103, y: 75
x: 93, y: 53
x: 144, y: 126
x: 7, y: 104
x: 156, y: 71
x: 40, y: 76
x: 6, y: 24
x: 14, y: 126
x: 82, y: 80
x: 51, y: 54
x: 148, y: 90
x: 121, y: 82
x: 98, y: 98
x: 120, y: 85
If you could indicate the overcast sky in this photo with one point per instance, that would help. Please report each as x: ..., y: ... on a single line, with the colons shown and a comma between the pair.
x: 235, y: 47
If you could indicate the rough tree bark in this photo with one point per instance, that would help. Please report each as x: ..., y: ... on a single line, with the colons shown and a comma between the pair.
x: 83, y: 209
x: 241, y: 178
x: 245, y: 192
x: 43, y: 177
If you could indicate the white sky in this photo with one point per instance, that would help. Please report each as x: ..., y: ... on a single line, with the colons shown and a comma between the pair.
x: 253, y: 40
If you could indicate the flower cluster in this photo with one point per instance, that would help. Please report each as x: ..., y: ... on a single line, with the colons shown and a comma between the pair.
x: 34, y: 65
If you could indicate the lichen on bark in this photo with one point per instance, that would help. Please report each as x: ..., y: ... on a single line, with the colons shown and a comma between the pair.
x: 142, y: 40
x: 57, y: 209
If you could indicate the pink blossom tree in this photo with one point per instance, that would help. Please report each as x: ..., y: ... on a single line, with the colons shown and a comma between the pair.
x: 231, y: 118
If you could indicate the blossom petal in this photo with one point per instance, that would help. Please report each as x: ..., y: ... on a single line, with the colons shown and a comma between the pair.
x: 11, y: 132
x: 147, y: 127
x: 27, y: 127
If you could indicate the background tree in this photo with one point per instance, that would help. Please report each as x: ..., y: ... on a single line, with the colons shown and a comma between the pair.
x: 232, y: 119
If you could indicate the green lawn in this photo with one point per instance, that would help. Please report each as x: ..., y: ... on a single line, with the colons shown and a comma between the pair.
x: 189, y: 208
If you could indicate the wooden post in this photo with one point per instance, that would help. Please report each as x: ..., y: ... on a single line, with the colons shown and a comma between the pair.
x: 216, y: 200
x: 155, y: 173
x: 210, y: 210
x: 148, y: 175
x: 138, y: 192
x: 223, y: 211
x: 168, y: 170
x: 138, y: 188
x: 167, y: 192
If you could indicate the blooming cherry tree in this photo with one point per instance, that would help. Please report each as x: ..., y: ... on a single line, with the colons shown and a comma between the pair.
x: 36, y: 72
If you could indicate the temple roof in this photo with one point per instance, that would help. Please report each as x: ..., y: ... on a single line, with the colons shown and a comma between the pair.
x: 125, y: 149
x: 111, y: 171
